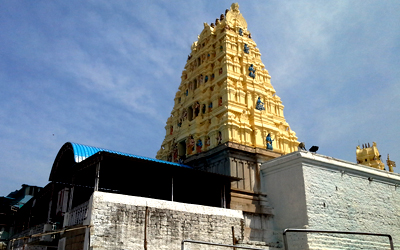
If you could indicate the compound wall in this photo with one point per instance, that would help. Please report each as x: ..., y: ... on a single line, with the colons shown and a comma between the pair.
x: 318, y: 192
x: 127, y: 222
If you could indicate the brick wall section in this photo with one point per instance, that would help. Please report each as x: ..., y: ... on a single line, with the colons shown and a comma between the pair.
x: 119, y: 223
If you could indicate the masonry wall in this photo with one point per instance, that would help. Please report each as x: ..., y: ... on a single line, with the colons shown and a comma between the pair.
x: 119, y: 222
x: 283, y: 183
x: 74, y: 239
x: 345, y: 200
x: 333, y: 195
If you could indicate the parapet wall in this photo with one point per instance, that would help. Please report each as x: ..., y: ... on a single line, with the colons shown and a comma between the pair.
x: 318, y: 192
x: 119, y: 222
x: 346, y: 200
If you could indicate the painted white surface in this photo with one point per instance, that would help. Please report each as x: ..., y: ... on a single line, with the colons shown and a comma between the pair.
x: 119, y: 222
x: 319, y: 192
x: 161, y: 204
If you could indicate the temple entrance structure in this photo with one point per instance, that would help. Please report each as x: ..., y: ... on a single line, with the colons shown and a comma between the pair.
x: 227, y: 118
x: 226, y: 95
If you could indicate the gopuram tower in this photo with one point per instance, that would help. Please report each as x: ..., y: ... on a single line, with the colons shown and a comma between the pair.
x: 226, y: 117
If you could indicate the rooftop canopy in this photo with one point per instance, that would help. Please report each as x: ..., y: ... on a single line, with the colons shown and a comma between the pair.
x: 88, y: 168
x: 73, y: 153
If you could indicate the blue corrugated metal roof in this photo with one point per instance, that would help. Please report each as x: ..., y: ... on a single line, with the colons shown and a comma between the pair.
x: 24, y: 200
x: 81, y: 152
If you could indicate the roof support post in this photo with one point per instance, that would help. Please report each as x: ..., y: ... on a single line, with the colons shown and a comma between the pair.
x: 71, y: 195
x: 97, y: 177
x: 172, y: 188
x: 223, y: 197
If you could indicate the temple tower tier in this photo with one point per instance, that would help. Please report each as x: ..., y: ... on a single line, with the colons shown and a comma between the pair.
x: 225, y: 95
x: 227, y: 118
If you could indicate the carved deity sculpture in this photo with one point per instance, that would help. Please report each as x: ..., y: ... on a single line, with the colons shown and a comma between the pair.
x: 269, y: 141
x: 199, y: 145
x: 175, y: 153
x: 252, y: 71
x: 260, y: 104
x: 196, y: 109
x: 190, y: 145
x: 184, y: 114
x: 219, y: 137
x: 246, y: 48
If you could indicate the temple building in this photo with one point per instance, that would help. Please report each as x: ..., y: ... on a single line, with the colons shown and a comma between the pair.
x: 227, y: 118
x: 225, y: 96
x: 230, y: 174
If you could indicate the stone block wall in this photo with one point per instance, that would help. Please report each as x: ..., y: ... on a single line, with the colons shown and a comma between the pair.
x: 259, y: 228
x: 119, y: 222
x: 74, y: 239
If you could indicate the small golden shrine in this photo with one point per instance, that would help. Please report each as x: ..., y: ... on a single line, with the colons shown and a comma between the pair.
x: 369, y: 156
x: 390, y: 164
x: 225, y: 96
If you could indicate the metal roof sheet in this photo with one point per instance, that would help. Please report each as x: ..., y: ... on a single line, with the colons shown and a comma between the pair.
x: 81, y: 152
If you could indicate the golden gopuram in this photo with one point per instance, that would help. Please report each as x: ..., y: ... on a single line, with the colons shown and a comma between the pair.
x: 227, y: 117
x: 369, y: 156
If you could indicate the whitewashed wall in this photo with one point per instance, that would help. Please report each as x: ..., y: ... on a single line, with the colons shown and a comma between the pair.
x: 118, y: 222
x: 318, y: 192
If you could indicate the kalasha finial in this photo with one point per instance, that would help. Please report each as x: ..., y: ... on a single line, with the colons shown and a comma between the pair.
x: 235, y: 7
x: 390, y: 164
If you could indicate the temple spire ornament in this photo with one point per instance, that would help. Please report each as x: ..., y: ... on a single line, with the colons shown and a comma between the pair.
x: 369, y: 156
x: 390, y: 164
x: 225, y: 95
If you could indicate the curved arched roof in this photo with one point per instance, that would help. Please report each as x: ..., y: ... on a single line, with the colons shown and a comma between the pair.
x: 81, y: 152
x: 72, y: 153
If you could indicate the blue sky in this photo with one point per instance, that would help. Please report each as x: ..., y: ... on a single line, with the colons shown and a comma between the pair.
x: 104, y: 74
